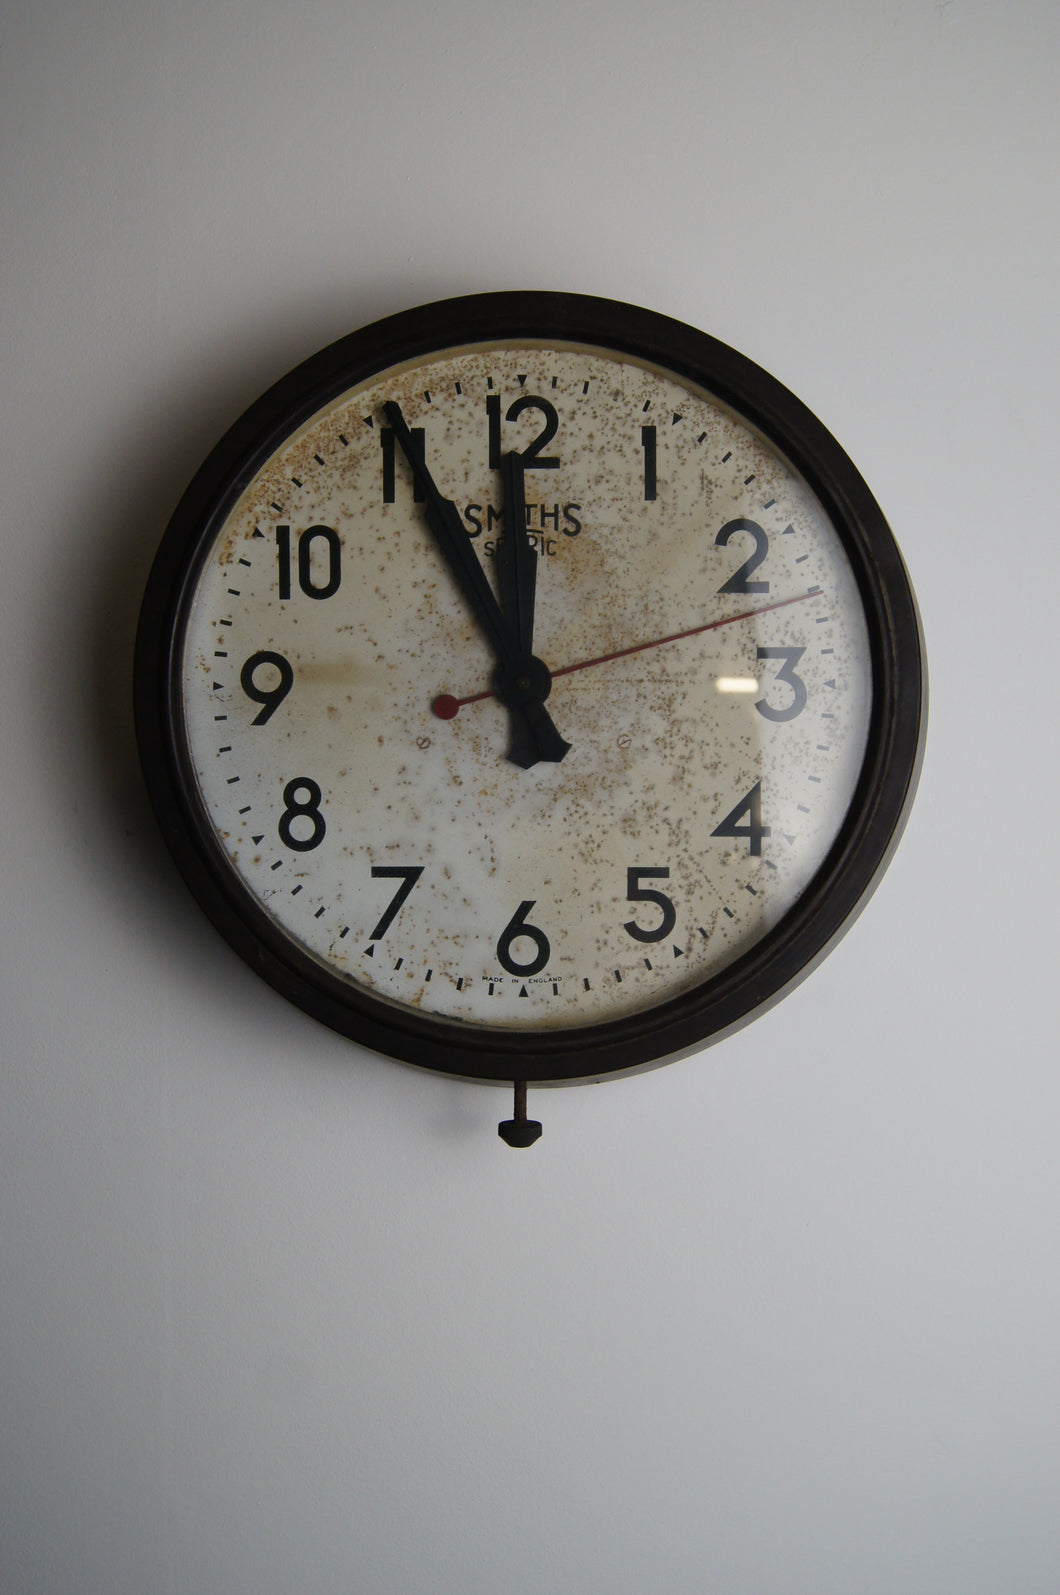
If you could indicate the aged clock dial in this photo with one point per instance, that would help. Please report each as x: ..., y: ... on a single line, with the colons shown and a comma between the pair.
x: 530, y: 688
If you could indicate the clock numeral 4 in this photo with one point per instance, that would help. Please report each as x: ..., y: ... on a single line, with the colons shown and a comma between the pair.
x: 754, y: 830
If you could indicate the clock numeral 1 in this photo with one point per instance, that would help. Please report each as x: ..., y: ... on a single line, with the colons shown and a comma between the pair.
x: 516, y: 927
x: 754, y: 830
x: 306, y: 574
x: 647, y: 443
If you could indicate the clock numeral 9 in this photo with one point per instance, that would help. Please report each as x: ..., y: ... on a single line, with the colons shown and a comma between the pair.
x: 740, y: 582
x: 647, y: 894
x: 516, y: 927
x: 532, y: 457
x: 295, y: 810
x: 269, y: 697
x: 754, y: 830
x: 306, y: 573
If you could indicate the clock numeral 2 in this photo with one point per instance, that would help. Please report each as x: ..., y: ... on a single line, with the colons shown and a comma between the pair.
x: 305, y: 542
x: 740, y: 582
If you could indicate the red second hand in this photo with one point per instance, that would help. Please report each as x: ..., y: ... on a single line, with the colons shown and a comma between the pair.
x: 447, y: 707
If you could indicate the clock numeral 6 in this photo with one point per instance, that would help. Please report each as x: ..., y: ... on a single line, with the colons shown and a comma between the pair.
x: 647, y: 894
x: 306, y: 572
x: 295, y: 810
x: 516, y: 927
x: 754, y: 830
x: 269, y: 697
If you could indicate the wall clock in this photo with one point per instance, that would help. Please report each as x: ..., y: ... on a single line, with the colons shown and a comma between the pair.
x: 530, y: 688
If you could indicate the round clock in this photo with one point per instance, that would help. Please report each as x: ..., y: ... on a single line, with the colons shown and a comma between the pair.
x: 530, y: 688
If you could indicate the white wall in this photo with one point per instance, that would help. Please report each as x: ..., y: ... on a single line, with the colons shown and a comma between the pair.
x: 281, y: 1316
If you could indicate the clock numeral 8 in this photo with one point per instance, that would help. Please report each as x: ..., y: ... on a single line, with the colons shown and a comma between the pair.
x: 295, y: 810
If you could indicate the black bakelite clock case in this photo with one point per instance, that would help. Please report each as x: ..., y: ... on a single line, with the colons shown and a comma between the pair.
x: 656, y: 1033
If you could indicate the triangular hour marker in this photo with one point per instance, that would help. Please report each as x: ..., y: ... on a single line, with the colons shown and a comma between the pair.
x: 523, y: 992
x: 830, y: 683
x: 369, y: 420
x: 679, y: 952
x: 257, y: 840
x: 522, y: 380
x: 676, y: 419
x: 369, y: 952
x: 257, y: 532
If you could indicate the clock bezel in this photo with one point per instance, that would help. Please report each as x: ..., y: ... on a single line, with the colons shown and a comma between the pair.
x: 854, y: 864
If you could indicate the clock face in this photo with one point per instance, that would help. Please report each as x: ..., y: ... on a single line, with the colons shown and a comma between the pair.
x: 521, y: 695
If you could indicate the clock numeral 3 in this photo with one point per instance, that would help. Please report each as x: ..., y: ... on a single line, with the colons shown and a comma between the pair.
x: 295, y: 810
x: 786, y: 673
x: 754, y: 830
x: 516, y: 927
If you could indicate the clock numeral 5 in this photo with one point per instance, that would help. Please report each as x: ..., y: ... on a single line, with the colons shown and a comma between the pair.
x: 647, y: 894
x: 306, y: 573
x: 754, y: 830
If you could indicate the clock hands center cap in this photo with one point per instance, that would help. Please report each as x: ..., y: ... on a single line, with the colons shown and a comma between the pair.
x: 522, y: 681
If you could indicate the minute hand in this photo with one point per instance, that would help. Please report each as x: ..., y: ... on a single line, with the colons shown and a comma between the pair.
x: 443, y: 518
x: 521, y: 683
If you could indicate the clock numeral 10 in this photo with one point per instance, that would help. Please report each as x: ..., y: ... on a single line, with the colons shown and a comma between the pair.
x: 307, y: 575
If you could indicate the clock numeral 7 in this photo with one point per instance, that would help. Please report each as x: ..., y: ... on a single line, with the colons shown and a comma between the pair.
x: 408, y: 875
x: 754, y: 830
